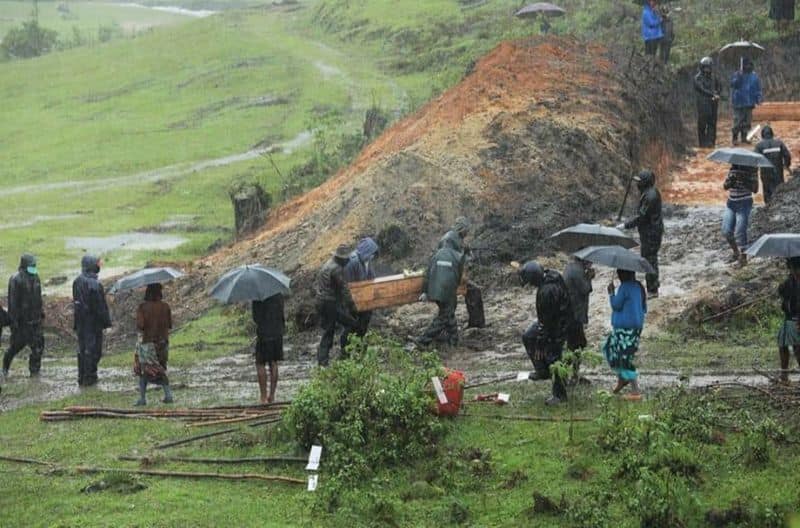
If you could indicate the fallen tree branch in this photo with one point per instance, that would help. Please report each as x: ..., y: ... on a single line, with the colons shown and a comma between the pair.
x: 736, y: 308
x: 213, y: 433
x: 234, y: 420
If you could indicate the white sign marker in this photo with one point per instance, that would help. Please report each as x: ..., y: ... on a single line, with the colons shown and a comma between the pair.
x: 503, y: 397
x: 313, y: 458
x: 312, y: 482
x: 437, y: 386
x: 523, y: 376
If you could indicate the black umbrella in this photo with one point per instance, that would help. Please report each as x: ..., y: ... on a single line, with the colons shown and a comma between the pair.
x: 252, y: 282
x: 582, y: 235
x: 145, y: 277
x: 741, y: 49
x: 615, y: 257
x: 785, y: 245
x: 739, y: 156
x: 540, y: 8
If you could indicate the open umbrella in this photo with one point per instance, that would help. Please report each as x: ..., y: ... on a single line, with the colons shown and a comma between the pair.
x: 145, y: 277
x: 582, y: 235
x: 615, y: 257
x: 540, y: 8
x: 741, y: 49
x: 252, y: 282
x: 785, y: 245
x: 739, y: 156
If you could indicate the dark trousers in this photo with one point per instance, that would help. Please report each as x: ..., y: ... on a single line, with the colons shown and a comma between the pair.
x: 707, y: 126
x: 769, y: 182
x: 444, y: 324
x: 543, y: 352
x: 329, y: 315
x: 90, y: 349
x: 664, y: 49
x: 651, y: 244
x: 651, y: 46
x: 30, y: 335
x: 362, y: 318
x: 742, y: 120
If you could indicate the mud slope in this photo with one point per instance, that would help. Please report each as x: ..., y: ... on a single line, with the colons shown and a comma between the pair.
x: 541, y: 134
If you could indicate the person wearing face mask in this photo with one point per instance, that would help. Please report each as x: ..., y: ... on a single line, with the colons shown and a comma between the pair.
x: 360, y: 268
x: 25, y: 315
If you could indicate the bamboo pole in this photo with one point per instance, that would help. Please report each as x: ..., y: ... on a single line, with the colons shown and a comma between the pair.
x: 195, y: 460
x: 182, y: 474
x: 232, y: 420
x: 529, y: 418
x: 212, y: 434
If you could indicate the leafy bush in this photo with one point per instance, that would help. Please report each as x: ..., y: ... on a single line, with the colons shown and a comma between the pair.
x: 368, y: 411
x: 29, y: 40
x: 661, y: 500
x: 589, y: 511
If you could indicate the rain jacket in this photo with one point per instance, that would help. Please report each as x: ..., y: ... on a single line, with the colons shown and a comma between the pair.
x: 269, y: 317
x: 553, y: 308
x: 746, y: 90
x: 358, y: 267
x: 454, y: 240
x: 579, y: 287
x: 705, y: 88
x: 444, y: 275
x: 89, y: 299
x: 331, y: 285
x: 648, y: 220
x: 25, y: 295
x: 777, y: 153
x: 652, y: 28
x: 629, y: 305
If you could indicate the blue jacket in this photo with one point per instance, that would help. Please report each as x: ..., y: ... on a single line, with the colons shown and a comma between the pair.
x: 652, y: 28
x: 746, y: 90
x: 628, y: 306
x: 358, y: 267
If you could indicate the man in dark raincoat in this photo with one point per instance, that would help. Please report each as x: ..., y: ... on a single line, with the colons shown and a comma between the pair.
x: 334, y: 302
x: 26, y: 315
x: 776, y: 152
x: 544, y: 339
x: 789, y: 333
x: 474, y: 297
x: 91, y: 318
x: 650, y: 224
x: 440, y: 285
x: 707, y: 91
x: 578, y: 277
x: 359, y: 268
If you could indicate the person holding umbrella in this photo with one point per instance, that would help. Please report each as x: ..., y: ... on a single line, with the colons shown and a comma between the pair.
x: 270, y: 327
x: 154, y: 321
x: 745, y: 95
x: 652, y: 27
x: 789, y: 333
x: 334, y: 302
x: 650, y: 224
x: 741, y: 182
x: 776, y: 152
x: 707, y: 89
x: 629, y: 306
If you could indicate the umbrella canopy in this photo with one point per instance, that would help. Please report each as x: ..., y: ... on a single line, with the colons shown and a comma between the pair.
x: 145, y: 277
x: 582, y: 235
x: 739, y: 156
x: 741, y: 47
x: 615, y: 257
x: 784, y: 245
x: 540, y: 8
x: 252, y: 282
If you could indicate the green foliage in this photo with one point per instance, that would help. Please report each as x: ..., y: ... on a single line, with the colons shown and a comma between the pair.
x: 757, y: 447
x: 661, y: 499
x: 589, y: 510
x: 28, y: 40
x: 372, y: 410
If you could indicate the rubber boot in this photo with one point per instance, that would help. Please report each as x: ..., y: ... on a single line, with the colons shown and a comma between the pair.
x: 142, y: 392
x: 735, y: 248
x: 167, y: 394
x: 742, y: 262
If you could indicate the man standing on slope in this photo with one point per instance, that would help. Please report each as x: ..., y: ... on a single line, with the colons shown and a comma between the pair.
x: 776, y: 152
x: 91, y: 318
x: 334, y: 303
x: 544, y: 339
x: 707, y: 89
x: 745, y: 95
x: 650, y: 224
x: 26, y: 315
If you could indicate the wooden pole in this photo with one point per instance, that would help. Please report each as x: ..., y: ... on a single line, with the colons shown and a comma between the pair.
x: 195, y: 460
x: 181, y: 474
x: 529, y: 418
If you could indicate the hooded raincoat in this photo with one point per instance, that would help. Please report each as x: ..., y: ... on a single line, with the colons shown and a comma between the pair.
x: 91, y: 317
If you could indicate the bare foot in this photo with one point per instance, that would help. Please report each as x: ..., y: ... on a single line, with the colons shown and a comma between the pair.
x: 264, y: 400
x: 632, y: 396
x: 270, y: 399
x: 620, y: 385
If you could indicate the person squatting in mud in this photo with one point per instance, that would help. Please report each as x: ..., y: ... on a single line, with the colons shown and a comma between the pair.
x: 270, y: 320
x: 708, y: 91
x: 25, y: 315
x: 741, y: 183
x: 544, y: 339
x: 650, y: 224
x: 776, y: 152
x: 440, y: 284
x: 91, y: 317
x: 629, y: 306
x: 359, y: 268
x: 334, y: 303
x: 789, y: 333
x: 153, y: 321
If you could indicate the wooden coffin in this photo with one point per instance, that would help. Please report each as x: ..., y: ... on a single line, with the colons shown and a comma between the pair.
x: 777, y: 111
x: 389, y: 291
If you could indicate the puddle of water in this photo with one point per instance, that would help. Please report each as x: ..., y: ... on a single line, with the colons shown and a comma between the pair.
x: 129, y: 241
x: 175, y: 10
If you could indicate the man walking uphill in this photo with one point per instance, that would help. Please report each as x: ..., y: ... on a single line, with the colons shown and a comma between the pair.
x: 334, y: 303
x: 91, y: 318
x: 650, y: 225
x: 776, y: 152
x: 707, y: 89
x: 26, y: 315
x: 745, y: 95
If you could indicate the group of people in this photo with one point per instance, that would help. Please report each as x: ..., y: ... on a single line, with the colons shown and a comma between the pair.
x: 658, y: 32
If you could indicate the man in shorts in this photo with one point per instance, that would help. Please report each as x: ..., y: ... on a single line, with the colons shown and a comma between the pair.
x: 270, y: 326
